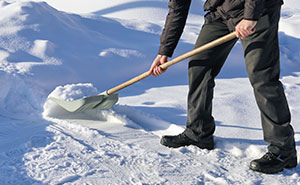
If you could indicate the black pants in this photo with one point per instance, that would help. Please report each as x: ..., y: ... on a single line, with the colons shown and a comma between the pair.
x: 261, y: 51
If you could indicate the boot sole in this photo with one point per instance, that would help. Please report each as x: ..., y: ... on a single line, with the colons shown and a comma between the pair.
x: 201, y: 146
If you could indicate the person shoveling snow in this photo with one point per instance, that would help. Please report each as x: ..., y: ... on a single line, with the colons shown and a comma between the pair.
x: 256, y: 24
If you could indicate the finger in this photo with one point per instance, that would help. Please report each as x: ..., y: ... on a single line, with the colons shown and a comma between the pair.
x: 150, y: 72
x: 238, y: 35
x: 156, y: 72
x: 160, y: 70
x: 243, y: 34
x: 249, y: 31
x: 239, y: 31
x: 153, y: 68
x: 252, y: 31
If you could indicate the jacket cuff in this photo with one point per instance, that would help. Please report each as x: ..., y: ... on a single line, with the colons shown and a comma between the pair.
x: 165, y: 51
x: 251, y: 19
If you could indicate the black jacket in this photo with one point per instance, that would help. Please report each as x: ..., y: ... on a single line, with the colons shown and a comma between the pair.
x: 229, y: 11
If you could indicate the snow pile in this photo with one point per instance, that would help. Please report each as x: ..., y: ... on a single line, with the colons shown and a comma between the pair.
x: 75, y: 49
x: 290, y: 18
x: 73, y: 91
x: 69, y: 93
x: 16, y: 99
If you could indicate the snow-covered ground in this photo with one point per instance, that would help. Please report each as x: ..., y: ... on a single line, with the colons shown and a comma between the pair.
x: 70, y: 49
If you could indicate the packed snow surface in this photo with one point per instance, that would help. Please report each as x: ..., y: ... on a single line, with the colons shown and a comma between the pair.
x: 73, y: 49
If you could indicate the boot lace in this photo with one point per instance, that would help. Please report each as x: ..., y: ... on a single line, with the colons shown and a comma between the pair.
x: 269, y: 156
x: 182, y: 135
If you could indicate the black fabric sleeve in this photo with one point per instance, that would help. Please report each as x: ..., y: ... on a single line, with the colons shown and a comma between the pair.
x: 174, y: 25
x: 253, y: 9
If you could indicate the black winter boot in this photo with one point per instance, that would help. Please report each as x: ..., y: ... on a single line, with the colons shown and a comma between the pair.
x: 271, y: 163
x: 182, y: 140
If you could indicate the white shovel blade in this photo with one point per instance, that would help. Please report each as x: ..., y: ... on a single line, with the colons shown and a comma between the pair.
x: 101, y: 101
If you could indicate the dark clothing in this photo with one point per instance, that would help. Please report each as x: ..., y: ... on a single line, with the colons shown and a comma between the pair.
x: 229, y: 11
x: 247, y: 9
x: 262, y: 62
x: 233, y: 11
x: 261, y: 51
x: 174, y: 25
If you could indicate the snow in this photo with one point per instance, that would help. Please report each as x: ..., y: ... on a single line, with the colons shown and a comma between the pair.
x: 72, y: 49
x: 121, y: 52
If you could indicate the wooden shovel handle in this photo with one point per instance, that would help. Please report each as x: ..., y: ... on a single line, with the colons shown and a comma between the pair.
x: 209, y: 45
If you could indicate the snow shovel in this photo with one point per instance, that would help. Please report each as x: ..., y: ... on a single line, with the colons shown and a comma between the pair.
x: 107, y: 99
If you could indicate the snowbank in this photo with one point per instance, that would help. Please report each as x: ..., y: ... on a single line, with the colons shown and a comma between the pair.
x: 16, y: 99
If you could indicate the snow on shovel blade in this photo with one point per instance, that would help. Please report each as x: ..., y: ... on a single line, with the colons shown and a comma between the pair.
x: 101, y: 101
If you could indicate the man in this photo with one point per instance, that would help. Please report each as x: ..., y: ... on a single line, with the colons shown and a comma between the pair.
x: 256, y: 24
